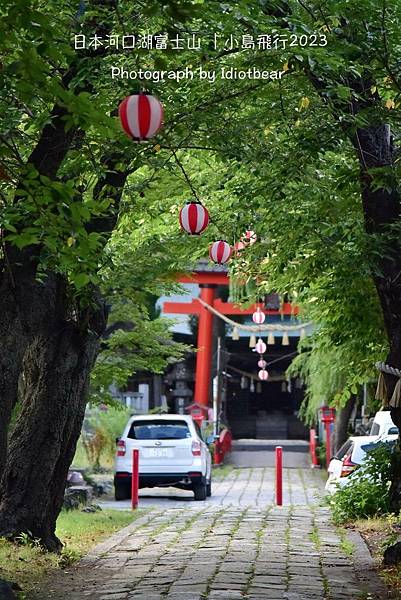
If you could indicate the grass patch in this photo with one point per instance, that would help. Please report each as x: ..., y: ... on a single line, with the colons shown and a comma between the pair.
x: 314, y: 536
x: 345, y: 544
x: 27, y: 564
x: 392, y: 578
x: 378, y: 533
x: 80, y: 531
x: 347, y: 547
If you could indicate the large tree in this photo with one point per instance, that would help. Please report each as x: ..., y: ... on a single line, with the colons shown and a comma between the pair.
x: 61, y: 202
x: 356, y: 86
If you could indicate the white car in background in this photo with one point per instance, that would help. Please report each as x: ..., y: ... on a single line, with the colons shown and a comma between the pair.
x: 383, y: 424
x: 350, y: 456
x: 171, y: 453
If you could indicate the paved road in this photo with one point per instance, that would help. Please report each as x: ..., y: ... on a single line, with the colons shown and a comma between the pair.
x: 235, y: 546
x: 241, y: 487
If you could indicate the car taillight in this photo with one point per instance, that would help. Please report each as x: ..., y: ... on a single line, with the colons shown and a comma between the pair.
x: 196, y: 448
x: 121, y: 449
x: 347, y: 467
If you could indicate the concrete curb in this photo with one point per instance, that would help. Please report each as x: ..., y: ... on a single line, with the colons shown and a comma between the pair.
x: 116, y: 538
x: 366, y: 567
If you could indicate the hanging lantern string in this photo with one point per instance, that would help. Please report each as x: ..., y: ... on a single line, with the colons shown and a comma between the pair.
x: 245, y: 373
x: 185, y: 174
x: 181, y: 166
x: 268, y: 363
x: 255, y: 377
x: 256, y: 328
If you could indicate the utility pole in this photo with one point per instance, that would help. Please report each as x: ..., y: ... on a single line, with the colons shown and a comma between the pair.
x: 365, y: 400
x: 217, y: 391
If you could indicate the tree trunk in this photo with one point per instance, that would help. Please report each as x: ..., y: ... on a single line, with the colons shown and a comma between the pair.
x: 55, y: 346
x: 341, y: 425
x: 13, y: 347
x: 395, y: 488
x: 57, y: 367
x: 15, y: 332
x: 381, y: 209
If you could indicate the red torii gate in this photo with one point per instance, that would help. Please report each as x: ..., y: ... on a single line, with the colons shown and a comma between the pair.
x: 208, y: 281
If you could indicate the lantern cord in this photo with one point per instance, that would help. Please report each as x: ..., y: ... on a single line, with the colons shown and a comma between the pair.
x: 255, y: 328
x: 185, y: 174
x: 255, y: 377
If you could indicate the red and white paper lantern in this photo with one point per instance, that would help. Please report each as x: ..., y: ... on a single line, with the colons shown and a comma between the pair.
x: 263, y: 374
x: 249, y: 238
x: 262, y: 364
x: 141, y: 116
x: 194, y: 218
x: 258, y: 317
x: 260, y: 346
x: 238, y: 247
x: 220, y: 252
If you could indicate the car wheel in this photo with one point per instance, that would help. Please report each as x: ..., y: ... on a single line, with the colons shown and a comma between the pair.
x: 209, y: 488
x: 122, y: 491
x: 200, y: 491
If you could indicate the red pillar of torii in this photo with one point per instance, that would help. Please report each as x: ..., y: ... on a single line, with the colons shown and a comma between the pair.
x: 208, y: 281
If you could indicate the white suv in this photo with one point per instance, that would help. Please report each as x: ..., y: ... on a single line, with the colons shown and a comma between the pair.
x: 171, y: 453
x: 383, y: 424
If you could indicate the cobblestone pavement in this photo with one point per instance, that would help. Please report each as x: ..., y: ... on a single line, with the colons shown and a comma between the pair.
x: 237, y: 545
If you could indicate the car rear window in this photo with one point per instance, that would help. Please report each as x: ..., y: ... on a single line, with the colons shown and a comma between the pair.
x: 159, y: 430
x: 343, y: 450
x: 375, y: 429
x: 359, y: 451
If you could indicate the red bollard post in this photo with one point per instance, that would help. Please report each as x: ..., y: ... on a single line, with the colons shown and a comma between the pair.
x: 279, y: 475
x: 135, y: 479
x: 218, y: 454
x: 312, y: 445
x: 327, y: 418
x: 328, y: 445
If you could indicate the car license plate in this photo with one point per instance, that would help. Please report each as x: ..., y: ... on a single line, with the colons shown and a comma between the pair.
x: 157, y: 452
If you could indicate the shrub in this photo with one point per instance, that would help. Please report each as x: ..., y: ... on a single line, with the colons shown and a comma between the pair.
x: 101, y: 428
x: 367, y: 491
x: 321, y: 454
x: 94, y: 443
x: 112, y: 421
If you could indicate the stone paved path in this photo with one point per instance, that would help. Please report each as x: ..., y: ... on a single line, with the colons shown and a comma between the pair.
x: 236, y: 546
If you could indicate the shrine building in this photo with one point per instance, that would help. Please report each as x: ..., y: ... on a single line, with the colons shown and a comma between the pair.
x: 225, y: 362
